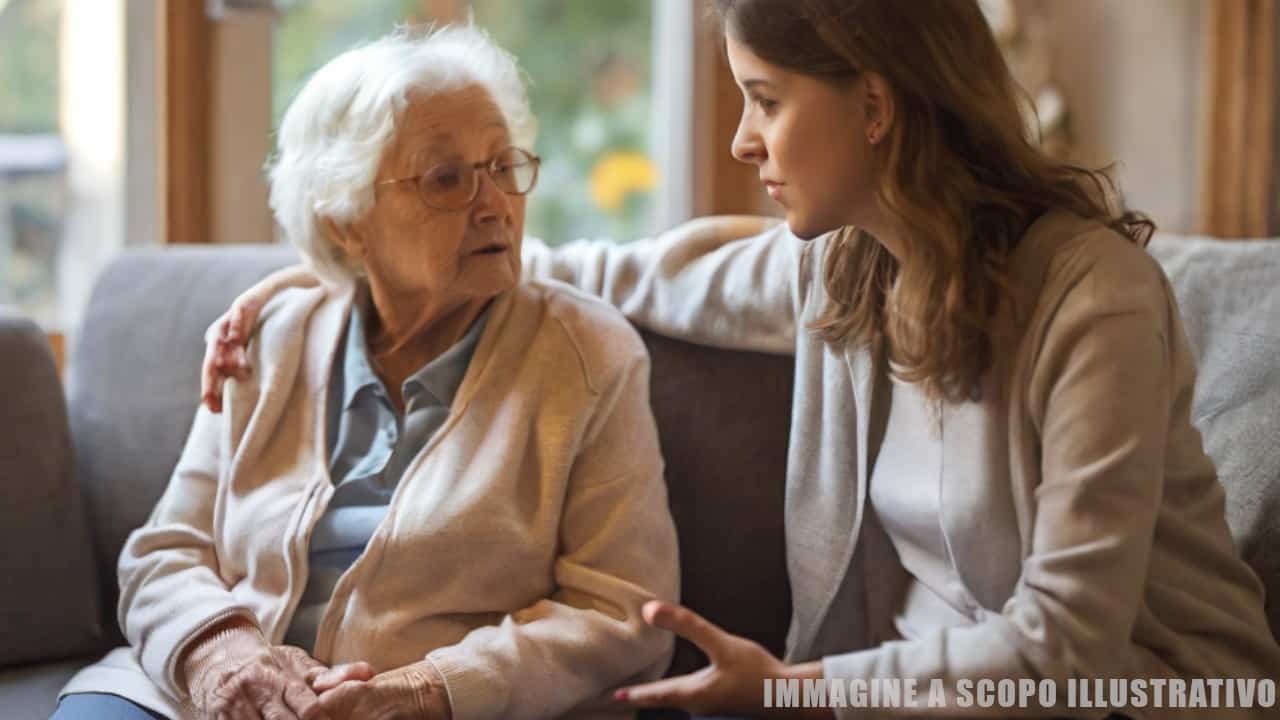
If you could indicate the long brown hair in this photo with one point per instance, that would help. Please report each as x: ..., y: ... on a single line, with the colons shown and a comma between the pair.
x: 959, y: 169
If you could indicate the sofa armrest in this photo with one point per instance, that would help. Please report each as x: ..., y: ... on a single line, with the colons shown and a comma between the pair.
x: 49, y: 607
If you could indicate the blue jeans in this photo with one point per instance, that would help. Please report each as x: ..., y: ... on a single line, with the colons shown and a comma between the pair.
x: 101, y: 706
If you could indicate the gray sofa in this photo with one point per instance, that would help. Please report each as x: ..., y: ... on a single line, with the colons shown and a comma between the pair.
x: 79, y: 473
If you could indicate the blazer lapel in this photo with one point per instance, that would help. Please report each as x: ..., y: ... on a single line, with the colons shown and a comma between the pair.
x: 836, y: 510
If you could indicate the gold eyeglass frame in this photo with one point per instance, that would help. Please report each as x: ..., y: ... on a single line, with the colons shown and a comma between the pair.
x: 489, y: 166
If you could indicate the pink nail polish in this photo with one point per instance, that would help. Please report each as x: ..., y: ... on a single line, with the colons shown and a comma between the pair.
x: 620, y: 695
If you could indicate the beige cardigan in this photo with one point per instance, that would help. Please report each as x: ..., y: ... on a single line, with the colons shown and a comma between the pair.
x: 1102, y: 549
x: 515, y: 554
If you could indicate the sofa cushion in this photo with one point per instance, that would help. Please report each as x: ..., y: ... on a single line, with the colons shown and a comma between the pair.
x: 723, y: 421
x: 48, y: 596
x: 135, y: 379
x: 1229, y: 297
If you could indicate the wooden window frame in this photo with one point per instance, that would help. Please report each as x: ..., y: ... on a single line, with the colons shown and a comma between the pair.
x: 722, y: 184
x: 186, y: 150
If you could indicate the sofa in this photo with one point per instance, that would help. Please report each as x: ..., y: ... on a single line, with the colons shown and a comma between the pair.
x: 83, y: 462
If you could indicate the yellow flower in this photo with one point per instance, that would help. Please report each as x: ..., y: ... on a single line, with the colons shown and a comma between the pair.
x: 619, y: 173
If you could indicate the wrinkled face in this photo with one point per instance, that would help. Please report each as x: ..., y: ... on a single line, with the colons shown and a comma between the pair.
x: 449, y: 256
x: 808, y: 138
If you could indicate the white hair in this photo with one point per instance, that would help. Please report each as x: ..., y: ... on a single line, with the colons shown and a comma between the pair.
x: 335, y: 132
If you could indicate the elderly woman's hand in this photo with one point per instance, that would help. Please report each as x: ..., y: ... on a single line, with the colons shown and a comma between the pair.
x: 413, y: 692
x: 233, y: 673
x: 224, y: 351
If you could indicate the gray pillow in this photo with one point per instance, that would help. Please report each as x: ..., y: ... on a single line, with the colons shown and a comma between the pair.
x: 1229, y: 297
x: 49, y: 605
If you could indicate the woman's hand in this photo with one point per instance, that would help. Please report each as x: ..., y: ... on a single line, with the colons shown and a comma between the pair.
x: 733, y: 682
x: 233, y: 673
x: 413, y: 692
x: 224, y: 350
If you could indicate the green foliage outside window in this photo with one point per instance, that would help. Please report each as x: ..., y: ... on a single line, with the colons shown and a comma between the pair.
x: 588, y: 63
x: 589, y: 69
x: 312, y: 32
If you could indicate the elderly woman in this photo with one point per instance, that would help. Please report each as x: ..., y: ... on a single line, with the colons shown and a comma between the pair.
x: 439, y: 494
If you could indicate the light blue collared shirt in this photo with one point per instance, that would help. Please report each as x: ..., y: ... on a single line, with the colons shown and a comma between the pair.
x: 370, y: 447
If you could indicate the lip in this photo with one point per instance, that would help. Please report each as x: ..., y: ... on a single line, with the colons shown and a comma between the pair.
x: 491, y: 249
x: 773, y: 188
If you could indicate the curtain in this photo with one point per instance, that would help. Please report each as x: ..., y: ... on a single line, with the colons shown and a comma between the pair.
x: 1238, y: 188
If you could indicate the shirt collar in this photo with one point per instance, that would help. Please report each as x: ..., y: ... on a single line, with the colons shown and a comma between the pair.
x: 441, y: 377
x: 357, y: 372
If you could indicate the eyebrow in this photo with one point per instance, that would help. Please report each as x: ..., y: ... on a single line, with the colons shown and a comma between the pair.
x: 755, y: 83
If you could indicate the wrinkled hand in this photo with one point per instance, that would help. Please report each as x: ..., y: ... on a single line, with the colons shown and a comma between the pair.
x: 322, y: 678
x: 413, y: 692
x: 224, y: 350
x: 732, y: 684
x: 225, y: 343
x: 235, y: 674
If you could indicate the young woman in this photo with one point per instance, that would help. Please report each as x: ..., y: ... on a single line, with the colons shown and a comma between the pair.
x: 993, y: 472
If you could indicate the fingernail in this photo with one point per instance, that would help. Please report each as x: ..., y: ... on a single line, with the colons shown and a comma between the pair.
x: 621, y: 695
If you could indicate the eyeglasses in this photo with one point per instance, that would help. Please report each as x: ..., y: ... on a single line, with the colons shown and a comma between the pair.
x: 454, y: 185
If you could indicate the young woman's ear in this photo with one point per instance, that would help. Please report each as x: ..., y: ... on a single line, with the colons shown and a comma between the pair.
x: 878, y: 106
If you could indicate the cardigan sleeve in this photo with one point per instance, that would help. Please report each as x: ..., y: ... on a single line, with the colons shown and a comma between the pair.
x: 1101, y: 393
x: 617, y: 551
x: 728, y: 282
x: 170, y: 588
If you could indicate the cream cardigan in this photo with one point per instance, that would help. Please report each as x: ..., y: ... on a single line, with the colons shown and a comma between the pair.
x: 516, y: 551
x: 1101, y: 549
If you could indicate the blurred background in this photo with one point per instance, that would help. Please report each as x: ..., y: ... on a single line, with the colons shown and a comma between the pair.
x: 141, y: 122
x: 145, y: 121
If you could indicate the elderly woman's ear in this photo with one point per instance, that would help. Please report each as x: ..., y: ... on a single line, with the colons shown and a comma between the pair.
x: 350, y: 238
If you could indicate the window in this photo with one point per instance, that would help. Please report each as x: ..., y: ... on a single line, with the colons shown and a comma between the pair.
x: 33, y: 157
x: 590, y: 66
x: 77, y: 176
x: 590, y: 77
x: 311, y: 32
x: 88, y: 100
